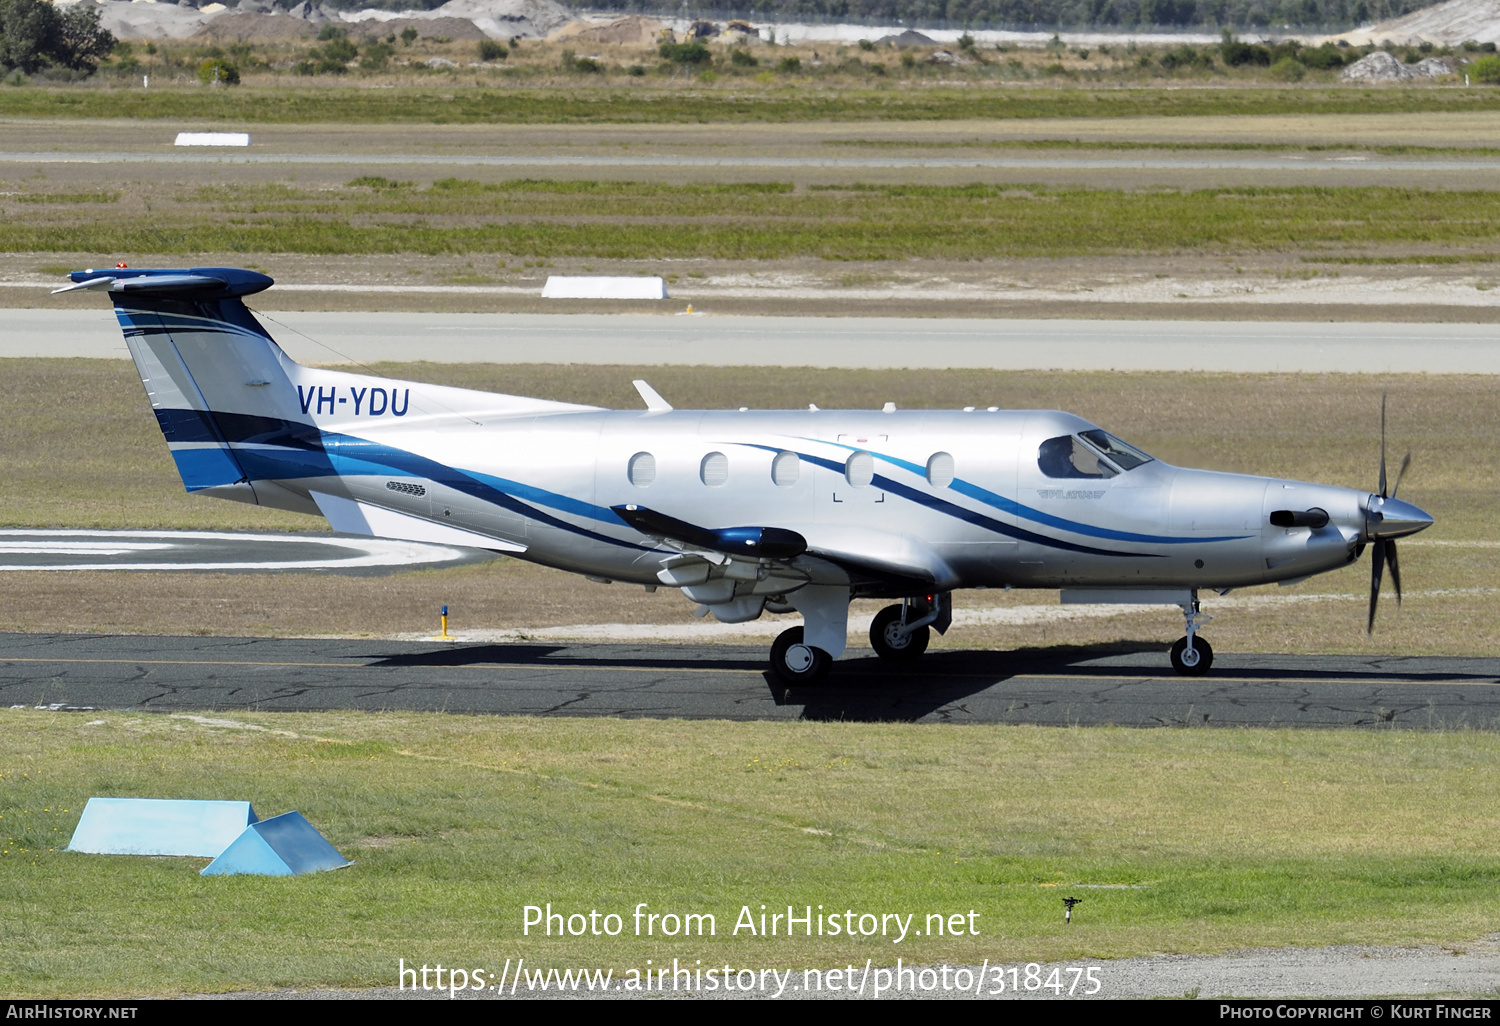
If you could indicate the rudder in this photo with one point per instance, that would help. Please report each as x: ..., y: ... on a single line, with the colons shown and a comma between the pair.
x: 210, y: 370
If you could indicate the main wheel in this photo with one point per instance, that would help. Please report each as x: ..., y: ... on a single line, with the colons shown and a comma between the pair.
x: 797, y: 663
x: 1196, y: 664
x: 888, y: 641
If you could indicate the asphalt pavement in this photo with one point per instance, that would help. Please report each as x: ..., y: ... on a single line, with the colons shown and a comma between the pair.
x: 1053, y: 687
x: 853, y: 342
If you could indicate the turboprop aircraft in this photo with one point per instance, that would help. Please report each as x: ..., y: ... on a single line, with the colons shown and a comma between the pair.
x: 743, y: 510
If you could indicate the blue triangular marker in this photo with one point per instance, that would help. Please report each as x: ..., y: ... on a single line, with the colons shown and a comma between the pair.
x: 285, y: 845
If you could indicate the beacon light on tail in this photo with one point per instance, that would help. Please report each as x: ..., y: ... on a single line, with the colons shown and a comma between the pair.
x: 743, y: 510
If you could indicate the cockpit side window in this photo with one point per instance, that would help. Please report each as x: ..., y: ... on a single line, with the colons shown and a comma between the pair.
x: 1122, y: 454
x: 1067, y: 457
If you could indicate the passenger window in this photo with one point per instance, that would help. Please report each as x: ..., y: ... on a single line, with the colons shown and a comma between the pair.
x: 1066, y: 456
x: 714, y: 470
x: 641, y: 469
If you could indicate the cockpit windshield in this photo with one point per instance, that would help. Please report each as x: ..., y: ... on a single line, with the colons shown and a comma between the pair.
x: 1067, y: 456
x: 1123, y: 454
x: 1079, y: 456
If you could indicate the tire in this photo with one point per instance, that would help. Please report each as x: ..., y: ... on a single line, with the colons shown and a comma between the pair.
x: 796, y: 663
x: 885, y: 638
x: 1201, y: 649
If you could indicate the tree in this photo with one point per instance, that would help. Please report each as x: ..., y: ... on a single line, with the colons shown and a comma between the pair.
x: 34, y: 34
x: 26, y: 27
x: 81, y: 41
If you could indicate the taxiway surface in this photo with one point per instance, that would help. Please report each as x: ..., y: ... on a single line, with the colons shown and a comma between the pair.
x: 856, y: 342
x: 1080, y: 687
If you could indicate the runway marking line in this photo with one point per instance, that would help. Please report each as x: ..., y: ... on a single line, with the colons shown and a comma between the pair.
x: 689, y: 669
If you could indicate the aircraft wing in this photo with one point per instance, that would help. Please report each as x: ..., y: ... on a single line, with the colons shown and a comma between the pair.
x: 885, y: 561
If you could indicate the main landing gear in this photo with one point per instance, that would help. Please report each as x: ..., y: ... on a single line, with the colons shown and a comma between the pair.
x: 1192, y: 656
x: 897, y: 634
x: 797, y: 662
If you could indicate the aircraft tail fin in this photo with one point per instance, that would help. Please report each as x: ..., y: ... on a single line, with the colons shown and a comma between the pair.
x: 212, y: 372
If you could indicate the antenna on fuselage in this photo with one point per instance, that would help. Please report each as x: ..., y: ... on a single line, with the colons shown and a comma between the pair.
x: 654, y: 402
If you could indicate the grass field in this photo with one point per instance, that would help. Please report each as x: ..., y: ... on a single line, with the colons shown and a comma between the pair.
x: 635, y: 220
x: 463, y: 103
x: 1207, y: 840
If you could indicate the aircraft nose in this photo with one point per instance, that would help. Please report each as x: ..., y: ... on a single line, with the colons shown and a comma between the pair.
x: 1392, y: 518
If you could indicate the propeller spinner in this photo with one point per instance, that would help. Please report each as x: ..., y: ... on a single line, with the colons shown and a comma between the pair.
x: 1386, y: 519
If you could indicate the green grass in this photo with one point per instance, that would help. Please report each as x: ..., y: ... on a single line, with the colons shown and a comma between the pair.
x: 1226, y: 838
x: 729, y: 103
x: 762, y: 221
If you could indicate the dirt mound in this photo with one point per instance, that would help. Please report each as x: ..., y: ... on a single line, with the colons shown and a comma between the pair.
x: 1377, y: 67
x: 908, y: 38
x: 1382, y: 67
x: 502, y: 19
x: 150, y: 21
x: 237, y: 27
x: 1448, y: 24
x: 632, y: 30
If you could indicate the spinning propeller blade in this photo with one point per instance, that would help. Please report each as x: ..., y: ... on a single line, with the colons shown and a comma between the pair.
x: 1384, y: 547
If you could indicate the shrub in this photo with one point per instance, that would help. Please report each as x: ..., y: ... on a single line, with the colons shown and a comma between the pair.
x: 1324, y: 58
x: 341, y: 50
x: 1236, y: 53
x: 331, y: 31
x: 966, y: 42
x: 587, y: 66
x: 789, y: 65
x: 376, y: 57
x: 1185, y: 56
x: 908, y: 61
x: 218, y: 70
x: 742, y: 59
x: 1486, y: 70
x: 866, y: 45
x: 636, y: 70
x: 408, y: 35
x: 684, y: 53
x: 1288, y: 70
x: 489, y: 50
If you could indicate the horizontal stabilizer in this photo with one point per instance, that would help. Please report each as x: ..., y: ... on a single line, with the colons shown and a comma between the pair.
x: 754, y: 542
x: 195, y: 283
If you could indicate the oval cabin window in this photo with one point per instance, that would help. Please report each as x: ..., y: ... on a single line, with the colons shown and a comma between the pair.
x: 714, y: 470
x: 859, y: 469
x: 642, y: 469
x: 940, y: 469
x: 785, y: 468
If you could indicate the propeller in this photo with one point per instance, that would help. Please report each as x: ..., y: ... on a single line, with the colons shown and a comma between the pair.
x: 1384, y: 547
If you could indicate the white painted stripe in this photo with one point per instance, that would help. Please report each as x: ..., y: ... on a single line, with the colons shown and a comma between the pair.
x: 356, y: 553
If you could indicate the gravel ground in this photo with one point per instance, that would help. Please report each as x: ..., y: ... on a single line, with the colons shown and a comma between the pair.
x: 1469, y: 970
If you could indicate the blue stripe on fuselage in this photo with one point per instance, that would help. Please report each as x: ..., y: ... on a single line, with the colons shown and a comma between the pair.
x: 1015, y: 508
x: 968, y: 515
x: 273, y: 449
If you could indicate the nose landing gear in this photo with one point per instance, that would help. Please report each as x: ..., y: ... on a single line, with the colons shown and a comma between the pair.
x: 1192, y: 656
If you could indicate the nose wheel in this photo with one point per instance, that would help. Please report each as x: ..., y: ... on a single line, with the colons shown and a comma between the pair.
x: 1192, y: 662
x: 798, y: 663
x: 1192, y: 656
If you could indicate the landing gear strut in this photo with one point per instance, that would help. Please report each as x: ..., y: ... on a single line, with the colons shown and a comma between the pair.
x: 1192, y: 656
